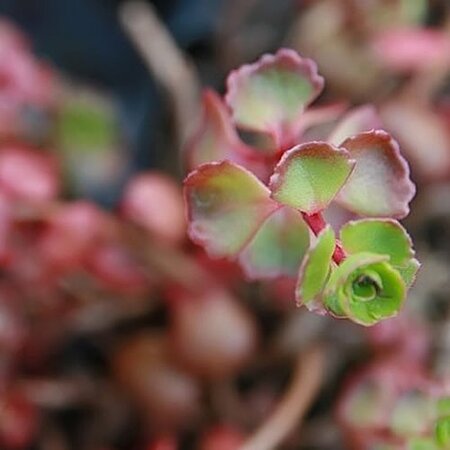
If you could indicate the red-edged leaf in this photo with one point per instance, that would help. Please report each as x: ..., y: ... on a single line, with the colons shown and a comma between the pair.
x: 380, y: 184
x: 278, y: 246
x: 363, y: 118
x: 226, y: 206
x: 216, y: 139
x: 270, y: 95
x: 310, y: 175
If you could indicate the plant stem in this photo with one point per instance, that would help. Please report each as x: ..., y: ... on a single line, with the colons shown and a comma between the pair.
x: 293, y: 406
x: 317, y: 223
x: 165, y: 60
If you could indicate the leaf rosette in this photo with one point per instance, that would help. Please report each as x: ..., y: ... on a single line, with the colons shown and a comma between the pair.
x: 262, y: 206
x: 371, y: 283
x: 365, y: 288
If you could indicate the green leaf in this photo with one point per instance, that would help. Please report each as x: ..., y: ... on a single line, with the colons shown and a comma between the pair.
x: 86, y: 125
x: 381, y: 236
x: 278, y: 246
x: 442, y: 432
x: 315, y: 268
x: 422, y: 444
x: 226, y: 206
x: 309, y: 176
x: 443, y: 406
x: 409, y: 272
x: 380, y: 184
x: 270, y: 95
x: 365, y: 288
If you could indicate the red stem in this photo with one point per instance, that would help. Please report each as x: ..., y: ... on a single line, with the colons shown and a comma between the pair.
x: 317, y: 223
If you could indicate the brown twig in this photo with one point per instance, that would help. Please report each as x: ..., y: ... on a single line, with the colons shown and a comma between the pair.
x: 165, y: 61
x: 293, y: 406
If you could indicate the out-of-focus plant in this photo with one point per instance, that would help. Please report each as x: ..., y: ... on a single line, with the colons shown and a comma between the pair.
x: 391, y: 54
x: 27, y: 93
x: 395, y: 406
x: 306, y: 197
x: 259, y: 203
x: 71, y: 268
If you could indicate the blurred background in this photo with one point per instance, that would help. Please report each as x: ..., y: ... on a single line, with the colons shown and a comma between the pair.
x: 118, y: 333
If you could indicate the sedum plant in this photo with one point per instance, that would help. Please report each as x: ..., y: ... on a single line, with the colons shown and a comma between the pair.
x: 262, y: 202
x: 395, y: 406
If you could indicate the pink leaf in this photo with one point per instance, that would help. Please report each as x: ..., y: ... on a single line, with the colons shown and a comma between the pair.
x: 28, y: 175
x: 380, y: 184
x: 71, y: 232
x: 217, y: 140
x: 142, y: 203
x: 411, y: 49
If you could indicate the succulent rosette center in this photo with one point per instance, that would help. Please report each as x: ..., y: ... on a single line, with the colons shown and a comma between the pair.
x: 365, y: 288
x: 371, y: 283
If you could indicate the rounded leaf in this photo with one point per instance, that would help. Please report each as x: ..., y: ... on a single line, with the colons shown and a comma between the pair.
x: 310, y: 175
x: 216, y: 138
x: 270, y: 95
x: 226, y: 206
x: 409, y: 271
x: 381, y: 236
x: 442, y: 432
x: 380, y: 184
x: 278, y: 246
x: 365, y: 288
x: 315, y: 268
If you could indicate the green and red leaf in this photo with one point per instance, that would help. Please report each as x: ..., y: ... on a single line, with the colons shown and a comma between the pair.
x: 216, y: 139
x: 310, y: 175
x: 226, y: 206
x: 379, y: 184
x: 270, y: 95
